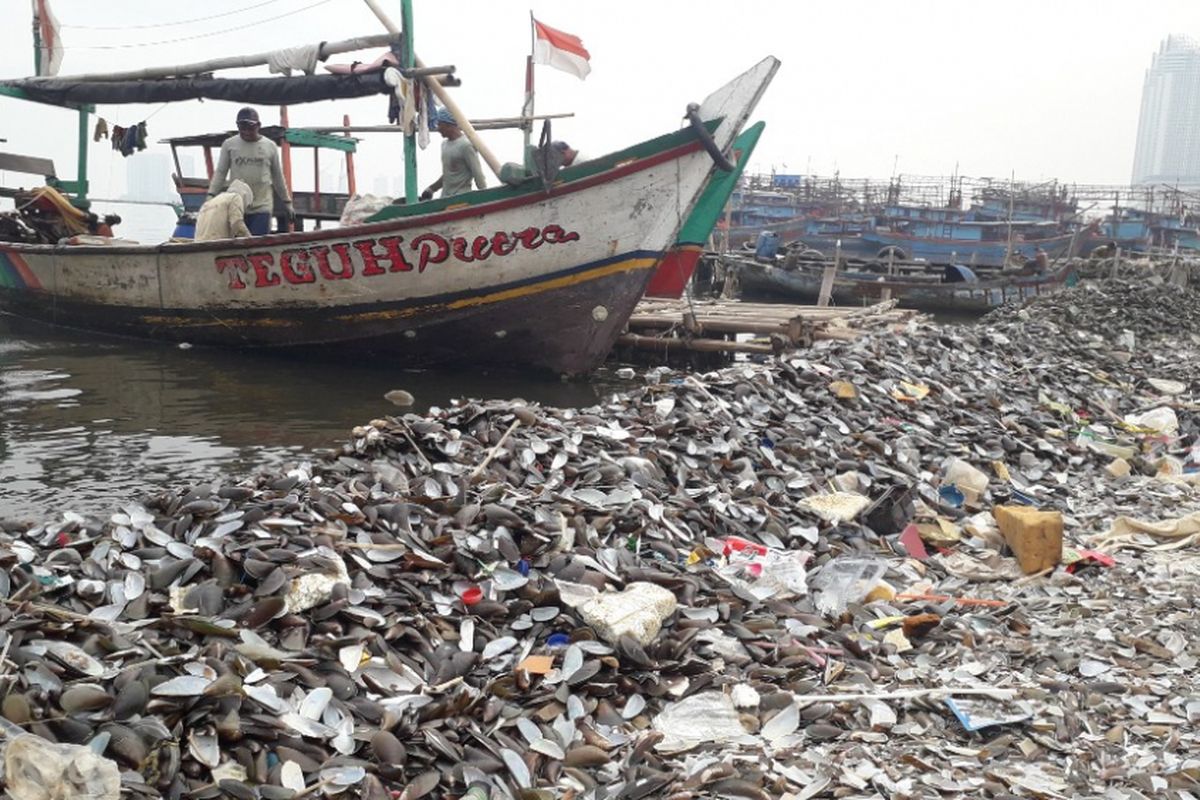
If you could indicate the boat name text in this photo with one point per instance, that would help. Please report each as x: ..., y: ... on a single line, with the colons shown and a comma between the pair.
x: 368, y: 257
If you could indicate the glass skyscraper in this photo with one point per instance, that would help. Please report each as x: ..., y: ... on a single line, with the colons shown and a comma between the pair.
x: 1168, y: 137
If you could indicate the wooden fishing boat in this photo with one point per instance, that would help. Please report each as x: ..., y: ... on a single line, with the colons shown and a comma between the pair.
x: 967, y: 241
x: 534, y: 275
x: 953, y: 288
x: 676, y: 268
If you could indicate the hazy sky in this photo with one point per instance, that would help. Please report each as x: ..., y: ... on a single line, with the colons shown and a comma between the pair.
x: 1048, y: 89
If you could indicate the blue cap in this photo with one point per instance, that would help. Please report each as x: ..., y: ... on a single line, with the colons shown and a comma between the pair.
x: 443, y: 117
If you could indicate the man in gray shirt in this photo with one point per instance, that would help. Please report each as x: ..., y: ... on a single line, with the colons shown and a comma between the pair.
x: 251, y: 158
x: 460, y: 162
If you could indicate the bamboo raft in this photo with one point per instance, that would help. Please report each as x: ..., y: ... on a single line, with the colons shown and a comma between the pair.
x: 732, y: 326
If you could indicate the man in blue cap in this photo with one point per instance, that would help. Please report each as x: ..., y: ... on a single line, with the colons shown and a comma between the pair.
x: 255, y: 160
x: 460, y: 162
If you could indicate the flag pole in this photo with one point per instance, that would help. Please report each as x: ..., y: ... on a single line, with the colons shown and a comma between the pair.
x: 527, y: 110
x: 37, y: 41
x: 408, y: 60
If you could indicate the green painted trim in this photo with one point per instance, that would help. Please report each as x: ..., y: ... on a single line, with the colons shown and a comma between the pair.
x: 534, y: 186
x: 82, y: 172
x: 302, y: 138
x: 704, y: 216
x: 408, y: 60
x: 12, y: 91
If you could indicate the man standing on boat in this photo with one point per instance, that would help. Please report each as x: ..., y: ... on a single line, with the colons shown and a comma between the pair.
x: 460, y: 162
x: 251, y: 158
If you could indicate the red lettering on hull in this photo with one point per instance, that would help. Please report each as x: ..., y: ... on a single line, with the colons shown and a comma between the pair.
x: 380, y: 256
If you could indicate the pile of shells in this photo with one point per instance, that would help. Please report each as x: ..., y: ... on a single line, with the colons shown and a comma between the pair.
x: 1150, y: 308
x: 416, y: 614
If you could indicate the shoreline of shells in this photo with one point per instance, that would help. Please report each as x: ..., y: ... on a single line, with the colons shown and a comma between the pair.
x: 308, y: 631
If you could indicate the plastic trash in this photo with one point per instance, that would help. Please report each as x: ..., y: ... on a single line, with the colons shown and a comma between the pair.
x: 638, y: 611
x: 966, y: 477
x: 37, y: 769
x: 1162, y: 420
x: 844, y: 581
x: 696, y: 720
x: 1095, y: 439
x: 765, y: 572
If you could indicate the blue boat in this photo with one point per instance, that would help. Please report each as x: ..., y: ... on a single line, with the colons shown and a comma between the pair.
x: 973, y: 242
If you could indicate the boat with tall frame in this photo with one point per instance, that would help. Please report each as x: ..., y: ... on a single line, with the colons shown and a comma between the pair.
x: 543, y: 274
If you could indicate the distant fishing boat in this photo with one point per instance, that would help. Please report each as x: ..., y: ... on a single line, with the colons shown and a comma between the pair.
x: 953, y: 288
x: 967, y: 241
x: 534, y: 274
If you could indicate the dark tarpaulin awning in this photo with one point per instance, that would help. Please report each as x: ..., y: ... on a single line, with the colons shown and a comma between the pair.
x: 263, y: 91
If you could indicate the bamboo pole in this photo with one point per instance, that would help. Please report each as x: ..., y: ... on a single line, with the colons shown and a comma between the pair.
x: 480, y: 124
x: 695, y: 345
x: 465, y: 124
x: 229, y: 62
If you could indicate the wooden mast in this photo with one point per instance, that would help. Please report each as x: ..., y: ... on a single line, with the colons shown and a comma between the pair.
x: 464, y: 123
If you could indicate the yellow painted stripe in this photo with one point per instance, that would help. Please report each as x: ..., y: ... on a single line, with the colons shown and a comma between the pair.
x: 628, y: 265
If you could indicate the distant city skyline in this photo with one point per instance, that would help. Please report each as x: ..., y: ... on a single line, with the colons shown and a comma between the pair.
x: 148, y: 177
x: 1167, y: 148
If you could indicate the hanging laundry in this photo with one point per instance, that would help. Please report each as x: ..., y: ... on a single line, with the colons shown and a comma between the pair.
x: 101, y: 130
x: 118, y: 137
x: 408, y: 113
x: 303, y: 57
x: 141, y: 136
x: 425, y: 112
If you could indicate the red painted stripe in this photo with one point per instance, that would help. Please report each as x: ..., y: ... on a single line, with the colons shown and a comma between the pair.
x: 561, y: 40
x: 674, y: 271
x: 23, y: 270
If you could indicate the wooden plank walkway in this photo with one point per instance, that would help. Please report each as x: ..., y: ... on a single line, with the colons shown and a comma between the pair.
x: 722, y: 326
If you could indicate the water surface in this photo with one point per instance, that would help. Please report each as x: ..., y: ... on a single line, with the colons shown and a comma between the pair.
x: 88, y: 423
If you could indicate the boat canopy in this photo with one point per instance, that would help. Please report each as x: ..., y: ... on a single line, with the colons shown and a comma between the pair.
x: 257, y: 91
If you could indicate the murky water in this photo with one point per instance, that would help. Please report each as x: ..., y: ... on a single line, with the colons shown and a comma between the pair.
x: 87, y: 423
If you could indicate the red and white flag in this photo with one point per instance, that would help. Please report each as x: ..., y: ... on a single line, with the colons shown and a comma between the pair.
x: 560, y: 50
x: 50, y: 53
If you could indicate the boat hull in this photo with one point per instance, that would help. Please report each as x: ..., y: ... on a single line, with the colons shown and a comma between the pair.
x: 676, y: 268
x: 860, y: 289
x: 513, y: 275
x: 963, y: 251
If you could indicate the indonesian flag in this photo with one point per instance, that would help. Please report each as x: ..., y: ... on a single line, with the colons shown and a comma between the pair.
x: 51, y: 51
x: 560, y: 50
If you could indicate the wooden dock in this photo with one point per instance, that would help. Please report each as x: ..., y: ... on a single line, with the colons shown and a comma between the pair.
x: 733, y: 326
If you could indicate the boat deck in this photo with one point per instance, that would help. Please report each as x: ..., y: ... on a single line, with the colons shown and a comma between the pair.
x: 734, y: 326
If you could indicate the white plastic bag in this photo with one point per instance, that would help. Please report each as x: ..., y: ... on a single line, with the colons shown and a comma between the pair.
x: 362, y: 207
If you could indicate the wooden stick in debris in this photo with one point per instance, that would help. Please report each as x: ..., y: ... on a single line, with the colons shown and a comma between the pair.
x: 496, y: 449
x: 909, y: 694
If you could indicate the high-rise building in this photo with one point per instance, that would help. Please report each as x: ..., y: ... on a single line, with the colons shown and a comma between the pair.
x: 1168, y: 137
x: 148, y: 177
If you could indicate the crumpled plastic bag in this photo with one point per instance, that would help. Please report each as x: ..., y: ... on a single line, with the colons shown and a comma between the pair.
x: 638, y: 611
x: 1167, y: 534
x: 699, y: 719
x: 36, y: 769
x: 1162, y: 420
